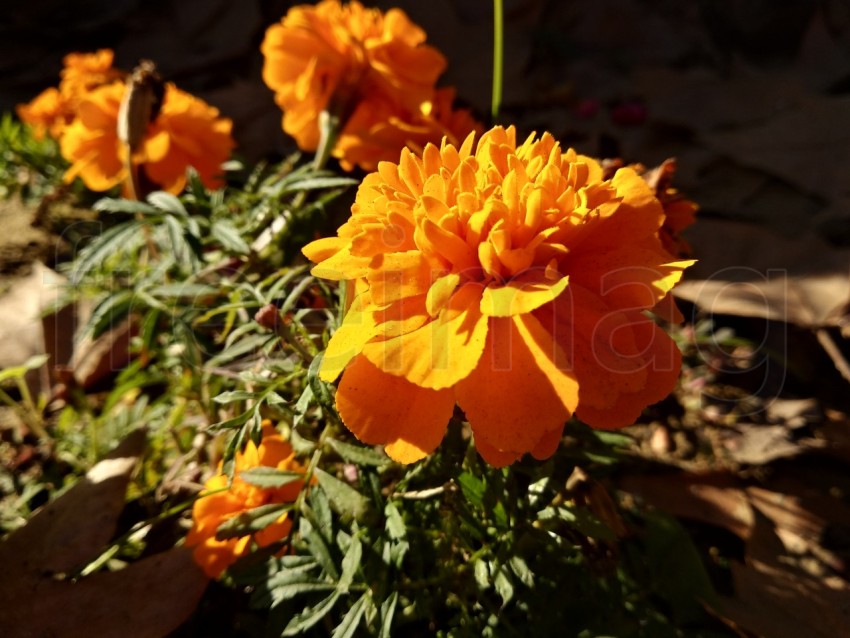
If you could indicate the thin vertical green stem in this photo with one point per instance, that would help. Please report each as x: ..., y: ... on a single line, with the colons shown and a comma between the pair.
x: 498, y: 57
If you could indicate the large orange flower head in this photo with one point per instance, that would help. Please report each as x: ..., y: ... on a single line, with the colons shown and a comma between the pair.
x: 53, y: 109
x: 337, y: 56
x: 187, y: 132
x: 508, y: 279
x: 220, y: 502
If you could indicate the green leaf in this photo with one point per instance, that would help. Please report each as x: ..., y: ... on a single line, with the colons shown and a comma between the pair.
x: 251, y: 521
x: 286, y: 585
x: 269, y: 477
x: 233, y: 396
x: 387, y: 614
x: 359, y: 454
x: 473, y: 488
x: 394, y: 525
x: 168, y: 202
x: 521, y: 570
x: 310, y: 183
x: 229, y: 237
x: 183, y: 290
x: 18, y: 372
x: 344, y: 499
x: 119, y: 238
x: 113, y: 205
x: 350, y: 564
x: 504, y: 586
x: 351, y: 621
x: 310, y: 616
x: 109, y: 311
x: 321, y: 390
x: 231, y: 424
x: 677, y: 571
x: 318, y: 547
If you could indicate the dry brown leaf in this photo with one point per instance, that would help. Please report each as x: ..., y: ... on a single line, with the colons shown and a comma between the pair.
x: 72, y: 529
x: 749, y: 271
x: 149, y: 598
x: 777, y: 600
x: 760, y: 444
x: 712, y: 499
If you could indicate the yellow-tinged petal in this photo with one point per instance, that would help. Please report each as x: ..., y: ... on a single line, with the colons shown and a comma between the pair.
x: 520, y: 360
x: 443, y: 351
x: 321, y: 249
x: 440, y: 293
x: 394, y: 276
x: 521, y: 295
x: 343, y: 265
x: 381, y: 408
x: 347, y: 342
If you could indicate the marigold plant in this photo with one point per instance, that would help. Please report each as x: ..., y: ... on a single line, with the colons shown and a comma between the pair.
x: 54, y: 108
x: 372, y: 70
x: 187, y: 132
x: 223, y: 500
x: 507, y: 279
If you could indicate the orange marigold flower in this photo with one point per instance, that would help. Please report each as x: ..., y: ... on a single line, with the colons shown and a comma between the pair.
x: 53, y: 109
x: 219, y: 503
x: 335, y: 56
x: 378, y: 130
x: 508, y: 279
x: 187, y: 132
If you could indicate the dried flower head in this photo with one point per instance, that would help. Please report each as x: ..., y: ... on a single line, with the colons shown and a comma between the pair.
x: 372, y: 70
x: 53, y: 109
x: 679, y: 211
x: 186, y: 132
x: 220, y: 502
x: 508, y: 279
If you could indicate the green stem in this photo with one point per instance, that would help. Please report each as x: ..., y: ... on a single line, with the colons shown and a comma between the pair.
x: 498, y: 57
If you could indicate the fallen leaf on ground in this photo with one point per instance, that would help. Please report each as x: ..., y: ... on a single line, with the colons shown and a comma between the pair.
x: 749, y: 271
x: 147, y: 599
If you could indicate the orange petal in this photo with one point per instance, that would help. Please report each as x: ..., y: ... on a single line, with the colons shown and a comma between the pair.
x: 380, y: 408
x: 663, y: 364
x: 443, y: 351
x: 496, y: 458
x: 668, y: 310
x: 520, y: 389
x: 547, y: 444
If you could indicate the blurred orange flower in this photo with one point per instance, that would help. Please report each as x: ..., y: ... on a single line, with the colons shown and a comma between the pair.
x: 372, y: 69
x: 378, y: 130
x: 53, y: 109
x: 187, y: 132
x: 508, y: 279
x: 219, y: 503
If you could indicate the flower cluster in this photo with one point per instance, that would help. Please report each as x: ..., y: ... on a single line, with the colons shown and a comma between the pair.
x: 222, y: 500
x: 186, y: 132
x: 54, y: 108
x: 82, y: 113
x: 372, y: 70
x: 508, y: 279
